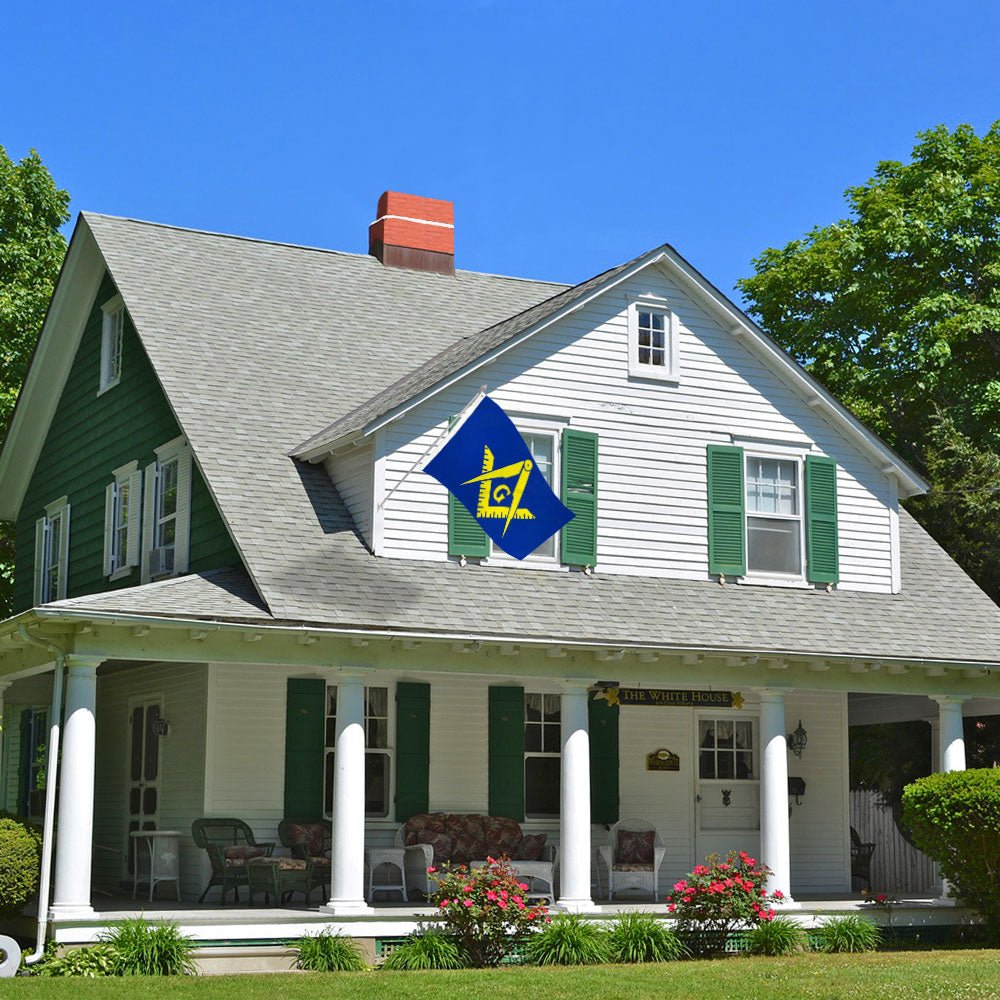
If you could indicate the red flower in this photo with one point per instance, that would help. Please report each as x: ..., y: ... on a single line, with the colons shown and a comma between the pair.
x: 778, y: 894
x: 431, y: 869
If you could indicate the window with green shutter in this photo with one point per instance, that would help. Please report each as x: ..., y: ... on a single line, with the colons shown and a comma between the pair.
x: 726, y: 511
x: 413, y: 749
x: 305, y: 709
x: 579, y: 494
x: 822, y: 560
x: 506, y: 752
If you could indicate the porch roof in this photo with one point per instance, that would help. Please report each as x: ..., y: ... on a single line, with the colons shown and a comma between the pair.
x: 939, y: 615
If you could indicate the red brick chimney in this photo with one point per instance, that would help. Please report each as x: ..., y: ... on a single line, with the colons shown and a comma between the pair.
x: 414, y: 232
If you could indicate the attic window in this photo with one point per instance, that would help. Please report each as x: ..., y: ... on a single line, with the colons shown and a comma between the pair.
x: 652, y: 340
x: 112, y: 333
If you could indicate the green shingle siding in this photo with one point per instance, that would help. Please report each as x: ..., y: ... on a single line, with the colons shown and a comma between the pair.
x: 91, y: 435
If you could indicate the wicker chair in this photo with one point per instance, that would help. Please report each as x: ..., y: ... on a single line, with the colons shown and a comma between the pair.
x: 230, y: 845
x: 624, y: 872
x: 309, y: 840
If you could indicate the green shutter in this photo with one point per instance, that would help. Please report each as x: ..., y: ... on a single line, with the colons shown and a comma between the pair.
x: 727, y: 552
x: 305, y: 743
x: 579, y: 493
x: 413, y: 749
x: 24, y: 764
x: 822, y: 562
x: 506, y: 752
x: 603, y: 726
x: 465, y: 536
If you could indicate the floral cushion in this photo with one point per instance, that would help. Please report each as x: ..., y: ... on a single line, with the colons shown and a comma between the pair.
x: 320, y: 862
x: 285, y: 864
x: 237, y: 857
x: 467, y: 848
x: 530, y: 848
x: 464, y: 837
x: 423, y: 822
x: 440, y: 842
x: 635, y: 847
x: 311, y: 835
x: 503, y: 836
x: 633, y: 867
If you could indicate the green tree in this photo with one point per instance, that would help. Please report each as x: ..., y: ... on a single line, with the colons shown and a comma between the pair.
x: 896, y: 310
x: 32, y: 248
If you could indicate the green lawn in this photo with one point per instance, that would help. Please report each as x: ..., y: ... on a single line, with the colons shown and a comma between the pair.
x: 956, y: 975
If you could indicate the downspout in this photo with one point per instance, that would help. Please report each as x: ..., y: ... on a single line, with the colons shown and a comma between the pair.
x: 51, y: 773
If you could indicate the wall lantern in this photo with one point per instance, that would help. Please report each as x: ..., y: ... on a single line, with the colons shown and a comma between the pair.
x: 797, y: 740
x: 160, y: 727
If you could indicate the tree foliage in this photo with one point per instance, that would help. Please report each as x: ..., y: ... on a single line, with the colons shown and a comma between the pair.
x: 896, y: 310
x: 32, y: 208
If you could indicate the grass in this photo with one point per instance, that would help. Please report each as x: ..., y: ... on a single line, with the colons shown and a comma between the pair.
x: 956, y: 975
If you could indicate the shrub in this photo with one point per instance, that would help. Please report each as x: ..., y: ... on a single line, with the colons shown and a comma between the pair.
x: 954, y: 817
x: 719, y: 896
x: 429, y: 949
x: 568, y: 940
x: 851, y: 933
x: 147, y: 948
x: 780, y: 936
x: 20, y: 863
x: 641, y: 937
x: 326, y: 952
x: 97, y: 960
x: 484, y: 910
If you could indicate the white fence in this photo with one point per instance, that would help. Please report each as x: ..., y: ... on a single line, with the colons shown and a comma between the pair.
x: 897, y: 866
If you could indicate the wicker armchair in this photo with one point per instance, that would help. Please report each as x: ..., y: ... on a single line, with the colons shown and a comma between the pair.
x: 309, y: 840
x: 632, y: 862
x: 861, y: 859
x: 230, y: 845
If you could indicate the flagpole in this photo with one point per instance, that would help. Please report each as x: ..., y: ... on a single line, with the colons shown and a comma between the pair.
x: 438, y: 442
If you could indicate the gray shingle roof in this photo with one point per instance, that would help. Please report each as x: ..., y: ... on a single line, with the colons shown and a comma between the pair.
x: 255, y: 343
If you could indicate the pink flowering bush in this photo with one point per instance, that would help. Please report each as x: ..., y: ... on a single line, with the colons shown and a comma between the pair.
x: 719, y: 896
x: 485, y: 910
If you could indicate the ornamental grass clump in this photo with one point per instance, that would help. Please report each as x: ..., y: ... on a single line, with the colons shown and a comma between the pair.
x: 484, y: 910
x: 147, y: 948
x: 428, y: 949
x: 641, y: 937
x: 568, y: 940
x: 847, y: 934
x: 326, y: 952
x: 777, y: 937
x: 718, y: 897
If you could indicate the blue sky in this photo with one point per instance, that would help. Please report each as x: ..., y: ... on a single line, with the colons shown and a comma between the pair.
x: 570, y: 136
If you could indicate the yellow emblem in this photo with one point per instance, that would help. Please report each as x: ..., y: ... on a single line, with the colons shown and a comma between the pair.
x: 610, y: 695
x: 490, y: 503
x: 737, y: 700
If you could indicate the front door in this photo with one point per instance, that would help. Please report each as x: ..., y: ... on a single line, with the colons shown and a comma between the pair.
x: 144, y: 771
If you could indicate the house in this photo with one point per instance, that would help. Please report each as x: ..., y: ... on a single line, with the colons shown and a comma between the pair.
x: 265, y: 609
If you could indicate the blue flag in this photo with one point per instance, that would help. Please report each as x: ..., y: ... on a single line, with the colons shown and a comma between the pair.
x: 489, y: 468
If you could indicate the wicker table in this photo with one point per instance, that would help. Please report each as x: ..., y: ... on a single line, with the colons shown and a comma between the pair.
x: 393, y: 856
x: 162, y: 859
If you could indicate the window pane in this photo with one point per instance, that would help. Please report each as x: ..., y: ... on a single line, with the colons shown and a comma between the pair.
x: 771, y: 486
x: 377, y: 733
x: 532, y: 737
x: 331, y: 701
x: 533, y: 707
x: 331, y: 732
x: 551, y: 737
x: 376, y: 784
x: 744, y: 765
x: 706, y: 733
x: 328, y: 784
x: 773, y: 546
x: 377, y: 701
x: 541, y: 786
x: 726, y: 768
x: 706, y: 764
x: 643, y: 355
x: 744, y: 735
x: 553, y: 707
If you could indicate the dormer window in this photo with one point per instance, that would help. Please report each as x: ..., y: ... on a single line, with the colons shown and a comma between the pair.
x: 167, y: 514
x: 652, y: 340
x: 112, y: 334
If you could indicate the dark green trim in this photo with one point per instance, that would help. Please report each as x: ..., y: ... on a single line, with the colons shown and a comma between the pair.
x: 727, y: 552
x: 578, y: 539
x: 822, y: 544
x: 305, y: 742
x: 604, y: 767
x: 413, y: 749
x: 506, y: 752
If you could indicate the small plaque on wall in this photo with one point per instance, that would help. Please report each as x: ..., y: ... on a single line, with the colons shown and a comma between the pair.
x: 662, y: 760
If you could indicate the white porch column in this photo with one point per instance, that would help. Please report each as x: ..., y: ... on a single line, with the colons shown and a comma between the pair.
x: 574, y: 806
x: 347, y: 894
x: 949, y: 755
x: 774, y: 849
x: 74, y: 841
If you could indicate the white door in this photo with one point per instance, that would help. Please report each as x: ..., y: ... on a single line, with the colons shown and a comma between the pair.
x: 143, y: 772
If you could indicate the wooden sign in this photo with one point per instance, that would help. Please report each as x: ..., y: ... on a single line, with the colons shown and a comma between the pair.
x: 671, y: 699
x: 662, y: 760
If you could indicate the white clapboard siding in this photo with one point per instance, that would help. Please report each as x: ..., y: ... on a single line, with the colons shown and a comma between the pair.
x: 182, y: 766
x: 653, y: 435
x: 898, y: 868
x: 11, y: 722
x: 352, y: 474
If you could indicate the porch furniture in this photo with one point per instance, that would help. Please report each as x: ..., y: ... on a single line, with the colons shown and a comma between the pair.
x: 391, y: 857
x: 309, y: 840
x: 460, y: 838
x: 157, y: 859
x: 279, y: 877
x: 230, y: 844
x: 632, y: 856
x: 861, y: 859
x: 538, y: 875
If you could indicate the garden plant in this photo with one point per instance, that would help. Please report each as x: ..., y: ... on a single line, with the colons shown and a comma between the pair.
x: 427, y: 949
x: 326, y: 952
x: 20, y: 848
x: 641, y: 937
x: 780, y: 936
x: 568, y: 940
x: 852, y: 933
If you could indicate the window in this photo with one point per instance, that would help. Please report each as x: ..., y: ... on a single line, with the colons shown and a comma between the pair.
x: 121, y: 521
x: 166, y: 512
x: 378, y: 755
x: 542, y: 758
x: 774, y: 516
x: 543, y: 448
x: 726, y: 749
x: 52, y: 552
x: 112, y: 334
x: 652, y: 336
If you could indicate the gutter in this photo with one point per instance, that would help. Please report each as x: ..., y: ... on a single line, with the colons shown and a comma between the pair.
x: 51, y: 771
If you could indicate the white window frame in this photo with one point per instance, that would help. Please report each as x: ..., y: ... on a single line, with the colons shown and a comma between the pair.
x: 724, y: 716
x: 668, y: 372
x: 119, y: 561
x: 152, y: 521
x: 387, y: 751
x: 112, y: 342
x: 540, y: 753
x: 52, y: 553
